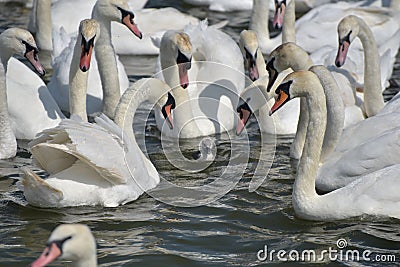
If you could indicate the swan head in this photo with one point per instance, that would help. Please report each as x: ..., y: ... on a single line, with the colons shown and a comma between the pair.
x: 89, y: 30
x: 116, y: 10
x: 73, y: 242
x: 296, y: 84
x: 285, y: 56
x: 280, y: 8
x: 251, y: 99
x: 176, y: 50
x: 248, y: 44
x: 348, y: 29
x: 20, y: 42
x: 167, y: 104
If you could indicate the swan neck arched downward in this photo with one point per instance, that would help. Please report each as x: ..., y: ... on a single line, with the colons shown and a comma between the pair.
x: 373, y: 98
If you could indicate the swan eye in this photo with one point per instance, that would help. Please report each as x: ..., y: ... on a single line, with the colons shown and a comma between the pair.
x: 182, y: 59
x: 346, y: 38
x: 87, y: 44
x: 29, y: 48
x: 125, y: 13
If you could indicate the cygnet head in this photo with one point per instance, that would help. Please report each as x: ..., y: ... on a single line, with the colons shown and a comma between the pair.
x: 248, y: 44
x: 116, y: 10
x: 348, y: 29
x: 20, y: 42
x: 73, y: 242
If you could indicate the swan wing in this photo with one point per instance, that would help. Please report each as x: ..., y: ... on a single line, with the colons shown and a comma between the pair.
x: 92, y: 144
x: 37, y: 190
x: 373, y: 155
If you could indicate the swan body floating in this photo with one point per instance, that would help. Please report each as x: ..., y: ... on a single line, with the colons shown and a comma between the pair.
x: 96, y: 164
x: 104, y: 11
x: 203, y: 66
x: 37, y: 111
x: 374, y: 194
x: 74, y: 242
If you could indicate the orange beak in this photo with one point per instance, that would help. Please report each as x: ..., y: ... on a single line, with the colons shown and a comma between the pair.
x: 49, y: 254
x: 279, y: 102
x: 168, y: 118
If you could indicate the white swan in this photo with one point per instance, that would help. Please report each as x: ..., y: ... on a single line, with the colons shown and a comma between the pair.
x: 213, y: 80
x: 96, y: 164
x: 73, y: 242
x: 68, y: 14
x: 315, y: 33
x: 290, y: 55
x: 234, y: 5
x: 30, y: 106
x: 259, y: 24
x: 255, y: 97
x: 105, y: 11
x: 349, y: 28
x: 374, y: 194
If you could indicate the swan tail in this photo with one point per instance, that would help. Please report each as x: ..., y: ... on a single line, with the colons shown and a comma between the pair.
x: 37, y: 191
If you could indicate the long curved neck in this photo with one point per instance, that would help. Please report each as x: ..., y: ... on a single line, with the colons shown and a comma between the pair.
x: 8, y: 144
x: 373, y: 99
x: 335, y: 110
x: 107, y: 64
x: 304, y: 185
x: 259, y: 18
x: 261, y: 66
x: 145, y: 89
x: 77, y: 84
x: 395, y: 4
x: 300, y: 61
x: 288, y: 29
x: 43, y: 25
